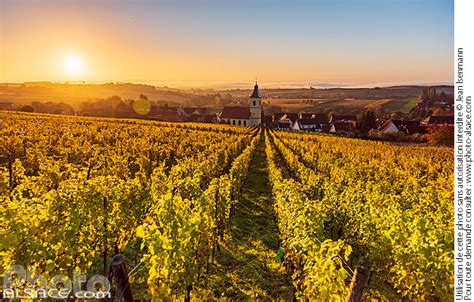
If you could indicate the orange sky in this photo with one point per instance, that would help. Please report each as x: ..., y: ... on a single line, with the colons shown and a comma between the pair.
x: 164, y: 42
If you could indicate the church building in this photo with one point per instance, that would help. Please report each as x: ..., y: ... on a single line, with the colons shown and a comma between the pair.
x: 249, y: 116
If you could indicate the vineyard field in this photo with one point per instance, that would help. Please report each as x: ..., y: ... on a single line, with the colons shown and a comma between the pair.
x: 217, y: 212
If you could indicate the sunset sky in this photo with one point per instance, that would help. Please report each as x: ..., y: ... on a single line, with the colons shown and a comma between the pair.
x: 349, y: 42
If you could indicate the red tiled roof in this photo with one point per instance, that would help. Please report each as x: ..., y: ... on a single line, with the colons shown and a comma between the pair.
x: 277, y: 116
x: 308, y: 122
x: 292, y: 116
x: 342, y: 118
x: 194, y: 110
x: 416, y: 129
x: 343, y: 126
x: 403, y: 123
x: 305, y: 115
x: 168, y: 116
x: 321, y: 118
x: 203, y: 118
x: 439, y: 120
x: 235, y: 112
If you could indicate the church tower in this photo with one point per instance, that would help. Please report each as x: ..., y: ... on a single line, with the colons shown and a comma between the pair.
x: 255, y: 104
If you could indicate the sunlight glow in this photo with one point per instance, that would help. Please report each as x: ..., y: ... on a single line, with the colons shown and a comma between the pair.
x: 73, y: 65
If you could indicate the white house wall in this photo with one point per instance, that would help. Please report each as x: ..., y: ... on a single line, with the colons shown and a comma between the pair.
x: 391, y: 128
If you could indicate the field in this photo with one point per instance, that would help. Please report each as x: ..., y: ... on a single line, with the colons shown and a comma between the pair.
x: 217, y: 212
x: 354, y: 100
x: 344, y: 105
x: 74, y: 94
x: 404, y: 105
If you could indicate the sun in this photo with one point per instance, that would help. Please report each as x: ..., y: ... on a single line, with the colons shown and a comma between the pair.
x: 73, y: 65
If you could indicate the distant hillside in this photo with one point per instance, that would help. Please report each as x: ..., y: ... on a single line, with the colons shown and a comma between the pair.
x: 396, y: 98
x: 377, y: 93
x: 74, y: 94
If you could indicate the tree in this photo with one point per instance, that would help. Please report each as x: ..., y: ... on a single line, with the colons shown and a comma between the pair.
x: 367, y: 121
x: 441, y: 135
x: 218, y: 100
x: 115, y: 100
x: 438, y: 111
x: 428, y: 94
x: 428, y: 113
x: 414, y: 114
x: 443, y: 97
x: 27, y: 108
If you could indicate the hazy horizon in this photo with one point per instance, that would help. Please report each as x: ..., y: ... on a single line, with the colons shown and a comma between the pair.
x: 243, y: 85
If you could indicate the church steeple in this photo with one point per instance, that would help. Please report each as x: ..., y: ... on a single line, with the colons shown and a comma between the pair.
x: 255, y: 104
x: 256, y: 92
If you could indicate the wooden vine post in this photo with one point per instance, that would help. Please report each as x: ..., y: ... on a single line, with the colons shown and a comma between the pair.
x: 120, y: 276
x: 360, y: 280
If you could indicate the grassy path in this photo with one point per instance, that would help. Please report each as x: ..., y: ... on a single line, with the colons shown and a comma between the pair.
x: 247, y: 267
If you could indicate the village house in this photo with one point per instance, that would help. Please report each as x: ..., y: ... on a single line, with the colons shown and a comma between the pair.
x: 202, y: 118
x: 343, y: 118
x: 321, y: 117
x: 249, y: 116
x: 438, y: 120
x: 277, y: 116
x: 306, y: 115
x: 287, y: 120
x: 416, y: 129
x: 186, y: 112
x: 7, y: 106
x: 342, y: 123
x: 307, y: 125
x: 180, y: 114
x: 310, y: 122
x: 168, y: 116
x: 197, y: 114
x: 395, y: 126
x: 340, y: 127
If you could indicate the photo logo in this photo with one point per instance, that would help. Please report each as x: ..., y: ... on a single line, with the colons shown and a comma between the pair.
x: 27, y: 284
